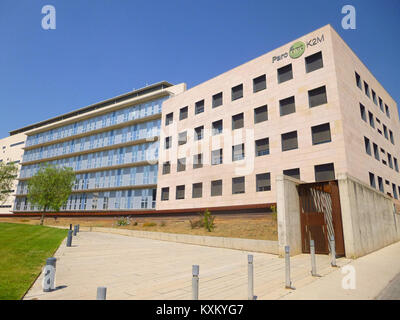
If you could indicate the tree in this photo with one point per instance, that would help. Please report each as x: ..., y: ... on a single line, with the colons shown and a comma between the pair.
x: 50, y: 188
x: 8, y: 173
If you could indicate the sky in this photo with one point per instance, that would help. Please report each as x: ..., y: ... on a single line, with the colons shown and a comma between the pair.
x: 103, y: 48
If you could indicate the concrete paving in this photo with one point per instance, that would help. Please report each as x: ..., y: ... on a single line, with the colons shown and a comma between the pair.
x: 392, y: 290
x: 137, y: 268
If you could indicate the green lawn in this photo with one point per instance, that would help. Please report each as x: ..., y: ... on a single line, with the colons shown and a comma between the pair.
x: 23, y: 252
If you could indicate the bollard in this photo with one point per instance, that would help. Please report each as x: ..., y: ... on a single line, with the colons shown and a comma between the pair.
x: 101, y: 293
x: 251, y: 277
x: 333, y: 251
x: 69, y: 238
x: 195, y: 282
x: 313, y: 263
x: 288, y: 284
x: 49, y: 275
x: 70, y: 226
x: 75, y: 230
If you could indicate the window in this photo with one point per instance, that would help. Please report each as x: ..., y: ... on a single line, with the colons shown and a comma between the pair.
x: 169, y: 118
x: 321, y: 134
x: 238, y: 152
x: 199, y: 107
x: 261, y: 114
x: 372, y: 180
x: 367, y: 146
x: 366, y: 89
x: 237, y: 121
x: 262, y: 147
x: 285, y: 73
x: 371, y: 119
x: 324, y: 172
x: 259, y: 83
x: 380, y: 185
x: 181, y: 164
x: 217, y: 100
x: 374, y: 97
x: 165, y: 194
x: 287, y: 106
x: 363, y: 114
x: 238, y: 185
x: 390, y: 160
x: 182, y: 138
x: 237, y: 92
x: 217, y: 127
x: 198, y: 133
x: 166, y: 167
x: 394, y: 191
x: 396, y: 165
x: 183, y: 113
x: 289, y: 141
x: 197, y: 190
x: 317, y: 97
x: 216, y: 157
x: 263, y: 182
x: 180, y: 192
x: 385, y: 132
x: 380, y: 104
x: 314, y: 62
x: 387, y: 110
x: 358, y: 81
x: 198, y: 161
x: 216, y: 188
x: 168, y: 143
x: 391, y: 136
x: 294, y: 173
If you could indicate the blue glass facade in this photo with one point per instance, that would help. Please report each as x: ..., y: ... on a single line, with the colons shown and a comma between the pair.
x: 114, y: 156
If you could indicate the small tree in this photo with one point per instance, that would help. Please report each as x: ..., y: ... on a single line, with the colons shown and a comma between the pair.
x: 208, y: 221
x: 8, y: 173
x: 50, y: 188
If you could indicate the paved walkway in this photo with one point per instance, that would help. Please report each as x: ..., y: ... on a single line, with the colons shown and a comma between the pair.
x: 392, y: 291
x: 137, y: 268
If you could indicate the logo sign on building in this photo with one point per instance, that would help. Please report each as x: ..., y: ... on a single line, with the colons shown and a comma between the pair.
x: 298, y: 48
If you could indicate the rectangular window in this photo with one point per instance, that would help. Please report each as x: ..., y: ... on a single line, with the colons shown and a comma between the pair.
x: 169, y: 118
x: 314, y: 62
x: 363, y: 113
x: 238, y: 152
x: 217, y: 127
x: 263, y: 182
x: 238, y: 121
x: 371, y: 119
x: 259, y: 83
x: 199, y: 107
x: 165, y: 194
x: 396, y: 165
x: 387, y: 110
x: 216, y: 157
x: 289, y: 141
x: 385, y: 132
x: 390, y: 160
x: 182, y: 138
x: 180, y: 192
x: 391, y: 136
x: 358, y: 81
x: 321, y: 134
x: 217, y: 100
x: 380, y: 103
x: 183, y: 113
x: 237, y: 92
x: 198, y: 161
x: 324, y: 172
x: 166, y: 167
x: 294, y: 173
x: 367, y: 146
x: 216, y: 188
x: 168, y: 143
x: 198, y: 133
x: 317, y: 97
x: 197, y: 190
x: 262, y: 147
x: 366, y: 89
x: 287, y: 106
x: 374, y: 97
x: 394, y: 191
x: 181, y: 164
x: 380, y: 185
x: 285, y: 73
x: 261, y: 114
x: 372, y: 180
x: 238, y: 185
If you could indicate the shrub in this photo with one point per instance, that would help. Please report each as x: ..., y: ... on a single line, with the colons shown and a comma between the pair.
x: 196, y: 223
x: 149, y: 224
x: 274, y: 211
x: 123, y: 222
x: 208, y: 220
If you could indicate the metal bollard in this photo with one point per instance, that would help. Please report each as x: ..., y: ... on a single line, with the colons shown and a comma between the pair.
x: 101, y: 293
x: 69, y: 238
x: 195, y: 282
x: 75, y: 230
x: 251, y: 277
x: 313, y: 263
x: 333, y: 251
x: 49, y: 275
x: 288, y: 284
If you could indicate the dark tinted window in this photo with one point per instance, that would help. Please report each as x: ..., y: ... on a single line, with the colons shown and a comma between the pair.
x: 317, y: 96
x: 237, y: 121
x: 285, y: 73
x: 237, y: 92
x: 238, y: 185
x: 314, y: 62
x: 294, y: 173
x: 216, y: 188
x: 263, y: 182
x: 324, y: 172
x: 261, y: 114
x: 183, y: 113
x: 217, y: 100
x: 321, y: 134
x: 287, y: 106
x: 259, y: 83
x: 289, y: 141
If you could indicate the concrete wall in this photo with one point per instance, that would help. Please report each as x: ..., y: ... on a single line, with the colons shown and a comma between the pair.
x: 288, y: 205
x: 369, y: 219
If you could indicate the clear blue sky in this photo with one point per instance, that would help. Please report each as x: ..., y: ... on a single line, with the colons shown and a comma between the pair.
x: 104, y: 48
